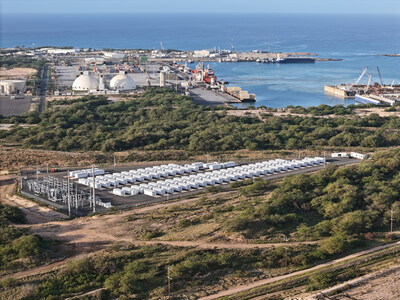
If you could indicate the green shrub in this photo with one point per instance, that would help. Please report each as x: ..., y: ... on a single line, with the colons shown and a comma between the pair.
x: 320, y: 280
x: 26, y: 246
x: 334, y: 245
x: 184, y: 223
x: 9, y: 282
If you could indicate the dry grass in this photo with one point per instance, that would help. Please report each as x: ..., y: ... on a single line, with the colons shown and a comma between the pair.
x: 15, y: 73
x: 359, y: 112
x: 15, y: 158
x: 191, y: 233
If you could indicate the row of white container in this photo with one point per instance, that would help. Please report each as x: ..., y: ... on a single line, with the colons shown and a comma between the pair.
x: 86, y: 173
x: 217, y: 166
x: 149, y: 173
x: 139, y: 175
x: 178, y: 184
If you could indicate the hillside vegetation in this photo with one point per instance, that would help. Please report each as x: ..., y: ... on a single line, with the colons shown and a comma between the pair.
x: 335, y: 202
x: 19, y: 249
x: 161, y: 119
x: 343, y: 209
x: 21, y: 62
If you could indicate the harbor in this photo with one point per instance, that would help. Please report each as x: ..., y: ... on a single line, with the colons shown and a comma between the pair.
x: 371, y: 93
x: 211, y: 76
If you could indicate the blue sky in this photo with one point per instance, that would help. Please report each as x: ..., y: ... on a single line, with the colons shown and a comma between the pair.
x: 170, y: 6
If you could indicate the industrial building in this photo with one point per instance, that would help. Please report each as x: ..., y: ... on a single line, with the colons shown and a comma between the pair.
x: 356, y: 155
x: 122, y: 82
x: 12, y: 86
x: 93, y: 82
x: 85, y: 82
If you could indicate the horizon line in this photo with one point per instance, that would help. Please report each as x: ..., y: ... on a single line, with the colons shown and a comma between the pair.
x: 195, y: 12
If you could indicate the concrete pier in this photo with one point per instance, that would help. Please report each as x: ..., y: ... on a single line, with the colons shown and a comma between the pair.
x: 211, y: 98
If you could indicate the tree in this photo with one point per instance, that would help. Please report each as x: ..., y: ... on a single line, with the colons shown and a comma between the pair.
x: 334, y: 245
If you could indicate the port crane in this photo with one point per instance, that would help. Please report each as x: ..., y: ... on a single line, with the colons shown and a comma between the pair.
x: 379, y: 72
x: 361, y: 76
x: 369, y: 83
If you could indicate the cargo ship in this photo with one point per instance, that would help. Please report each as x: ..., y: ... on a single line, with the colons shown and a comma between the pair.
x: 206, y: 75
x: 296, y: 60
x: 287, y: 60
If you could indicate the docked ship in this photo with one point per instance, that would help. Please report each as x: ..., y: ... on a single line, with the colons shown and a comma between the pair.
x: 287, y: 60
x: 207, y: 75
x: 296, y: 60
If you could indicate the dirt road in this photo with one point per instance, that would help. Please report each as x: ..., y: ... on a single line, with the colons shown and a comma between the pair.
x: 91, y: 234
x: 207, y: 245
x: 259, y: 283
x: 383, y: 284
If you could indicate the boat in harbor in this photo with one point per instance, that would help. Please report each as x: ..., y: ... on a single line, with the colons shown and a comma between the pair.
x: 287, y: 60
x: 295, y: 60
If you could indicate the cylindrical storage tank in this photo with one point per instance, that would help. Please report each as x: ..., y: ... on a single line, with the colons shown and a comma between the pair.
x: 19, y: 86
x: 9, y: 89
x: 162, y: 79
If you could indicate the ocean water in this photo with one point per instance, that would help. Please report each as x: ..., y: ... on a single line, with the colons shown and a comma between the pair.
x: 357, y: 39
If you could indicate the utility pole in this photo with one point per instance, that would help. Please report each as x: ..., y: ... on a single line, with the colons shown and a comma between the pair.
x: 391, y: 220
x: 286, y: 256
x: 21, y: 180
x: 299, y: 153
x: 169, y: 284
x: 47, y: 167
x: 90, y: 197
x: 94, y: 191
x: 114, y: 161
x: 69, y: 196
x: 76, y: 197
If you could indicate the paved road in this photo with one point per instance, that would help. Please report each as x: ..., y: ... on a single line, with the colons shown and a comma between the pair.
x: 210, y: 98
x: 42, y: 103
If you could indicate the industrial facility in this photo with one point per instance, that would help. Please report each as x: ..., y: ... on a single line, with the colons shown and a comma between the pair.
x: 370, y: 93
x: 12, y: 86
x: 85, y: 190
x: 91, y: 82
x: 97, y: 75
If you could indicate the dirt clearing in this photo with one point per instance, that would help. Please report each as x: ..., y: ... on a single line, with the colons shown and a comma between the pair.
x: 17, y: 73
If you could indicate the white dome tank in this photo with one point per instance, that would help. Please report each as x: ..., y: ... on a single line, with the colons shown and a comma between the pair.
x: 122, y: 82
x: 85, y: 82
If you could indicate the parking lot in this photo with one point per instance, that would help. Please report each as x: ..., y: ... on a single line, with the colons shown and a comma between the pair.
x: 13, y: 107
